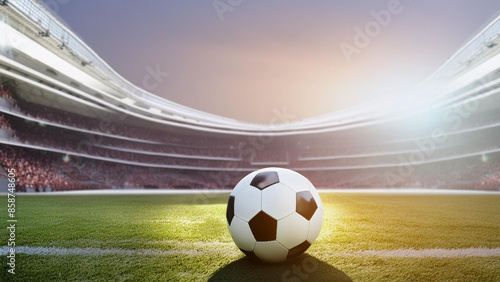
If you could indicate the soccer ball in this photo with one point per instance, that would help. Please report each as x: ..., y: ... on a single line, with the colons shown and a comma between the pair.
x: 274, y: 214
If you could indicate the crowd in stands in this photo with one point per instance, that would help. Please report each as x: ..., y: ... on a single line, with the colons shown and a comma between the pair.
x: 375, y: 139
x: 5, y: 125
x: 482, y: 176
x: 414, y: 155
x: 489, y: 182
x: 269, y: 154
x: 179, y: 161
x: 39, y: 171
x: 32, y: 133
x: 53, y: 115
x: 379, y: 149
x: 6, y: 93
x: 473, y: 173
x: 125, y: 145
x: 74, y: 142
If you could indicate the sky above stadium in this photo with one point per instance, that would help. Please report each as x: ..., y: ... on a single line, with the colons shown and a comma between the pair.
x: 249, y: 60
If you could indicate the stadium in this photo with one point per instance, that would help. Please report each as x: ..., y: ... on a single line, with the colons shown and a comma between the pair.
x: 113, y: 182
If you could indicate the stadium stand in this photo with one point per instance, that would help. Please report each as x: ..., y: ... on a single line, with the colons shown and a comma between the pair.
x: 62, y: 133
x: 62, y: 169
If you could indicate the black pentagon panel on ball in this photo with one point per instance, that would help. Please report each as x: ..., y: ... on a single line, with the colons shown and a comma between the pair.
x: 263, y: 227
x: 297, y: 250
x: 230, y: 210
x: 265, y: 179
x: 306, y: 205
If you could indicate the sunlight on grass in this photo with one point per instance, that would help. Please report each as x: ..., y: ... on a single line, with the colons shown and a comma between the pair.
x: 352, y: 222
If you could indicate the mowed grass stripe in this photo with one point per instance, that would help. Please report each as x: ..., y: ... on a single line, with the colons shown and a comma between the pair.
x: 53, y: 251
x: 354, y: 225
x: 425, y: 253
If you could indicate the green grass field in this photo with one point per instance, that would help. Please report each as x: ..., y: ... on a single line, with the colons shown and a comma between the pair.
x: 189, y: 241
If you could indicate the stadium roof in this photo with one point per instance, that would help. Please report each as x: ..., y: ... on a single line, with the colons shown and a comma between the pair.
x: 39, y: 38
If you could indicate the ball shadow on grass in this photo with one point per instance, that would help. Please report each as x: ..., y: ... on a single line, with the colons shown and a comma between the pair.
x: 303, y: 268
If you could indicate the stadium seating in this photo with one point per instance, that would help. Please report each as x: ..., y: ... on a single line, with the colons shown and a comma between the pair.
x: 59, y: 150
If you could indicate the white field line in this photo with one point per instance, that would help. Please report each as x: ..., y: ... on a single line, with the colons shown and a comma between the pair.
x: 50, y: 251
x: 399, y: 253
x: 424, y: 253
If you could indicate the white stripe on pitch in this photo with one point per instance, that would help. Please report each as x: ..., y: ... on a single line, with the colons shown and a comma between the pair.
x: 398, y: 253
x: 423, y: 253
